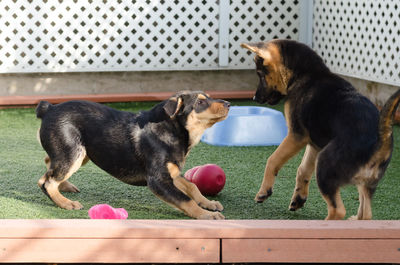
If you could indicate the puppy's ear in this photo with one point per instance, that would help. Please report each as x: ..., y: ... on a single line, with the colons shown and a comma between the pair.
x: 172, y: 106
x: 259, y: 48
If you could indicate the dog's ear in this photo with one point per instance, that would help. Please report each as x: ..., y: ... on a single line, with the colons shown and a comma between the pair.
x: 259, y: 48
x: 172, y: 106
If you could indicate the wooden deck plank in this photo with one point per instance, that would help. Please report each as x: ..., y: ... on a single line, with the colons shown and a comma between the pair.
x: 311, y: 250
x: 114, y: 250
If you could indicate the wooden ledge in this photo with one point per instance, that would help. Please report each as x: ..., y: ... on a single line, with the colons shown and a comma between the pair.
x: 194, y: 241
x: 20, y: 101
x: 127, y: 97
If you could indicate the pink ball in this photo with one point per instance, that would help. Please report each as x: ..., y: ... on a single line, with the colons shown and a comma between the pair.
x: 210, y: 179
x: 189, y: 174
x: 105, y: 211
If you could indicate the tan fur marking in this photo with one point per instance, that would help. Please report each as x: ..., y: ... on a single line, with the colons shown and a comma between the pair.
x: 193, y: 210
x: 367, y: 173
x: 173, y: 170
x: 54, y: 193
x: 218, y: 110
x: 85, y: 160
x: 191, y: 189
x: 195, y: 128
x: 364, y: 209
x: 193, y: 192
x: 178, y: 106
x: 338, y: 212
x: 304, y: 173
x: 262, y: 52
x: 273, y: 55
x: 197, y: 123
x: 52, y: 186
x: 286, y: 150
x: 41, y: 181
x: 47, y: 162
x: 286, y: 111
x: 278, y: 74
x: 201, y: 96
x: 388, y: 122
x: 194, y: 207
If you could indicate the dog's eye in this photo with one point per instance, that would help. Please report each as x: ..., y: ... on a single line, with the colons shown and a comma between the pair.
x: 201, y: 102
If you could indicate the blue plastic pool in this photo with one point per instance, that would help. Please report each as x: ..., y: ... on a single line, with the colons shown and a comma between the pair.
x: 248, y: 126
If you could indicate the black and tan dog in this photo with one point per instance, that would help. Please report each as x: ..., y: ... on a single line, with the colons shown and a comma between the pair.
x: 148, y: 148
x: 347, y: 140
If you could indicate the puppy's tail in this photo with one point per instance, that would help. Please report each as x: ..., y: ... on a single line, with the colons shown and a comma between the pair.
x: 386, y: 118
x: 42, y: 108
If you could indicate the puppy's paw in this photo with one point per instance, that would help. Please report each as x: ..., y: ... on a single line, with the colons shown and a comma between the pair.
x: 72, y: 205
x: 262, y: 196
x: 353, y: 218
x: 211, y: 216
x: 297, y: 203
x: 212, y: 205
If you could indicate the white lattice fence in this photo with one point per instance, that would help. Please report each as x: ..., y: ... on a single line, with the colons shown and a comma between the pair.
x: 122, y: 35
x: 359, y: 38
x: 253, y: 21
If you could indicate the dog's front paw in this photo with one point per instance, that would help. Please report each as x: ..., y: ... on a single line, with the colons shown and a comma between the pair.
x: 262, y: 196
x: 297, y: 203
x: 211, y: 216
x: 212, y: 205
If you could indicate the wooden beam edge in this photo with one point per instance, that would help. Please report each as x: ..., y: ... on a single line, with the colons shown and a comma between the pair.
x: 23, y: 101
x: 107, y: 98
x: 274, y: 229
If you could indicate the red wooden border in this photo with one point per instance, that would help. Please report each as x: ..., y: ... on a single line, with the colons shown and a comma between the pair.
x: 127, y: 97
x: 194, y: 241
x: 12, y: 101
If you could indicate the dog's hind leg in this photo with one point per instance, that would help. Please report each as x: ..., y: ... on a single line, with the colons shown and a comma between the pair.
x: 303, y: 178
x: 66, y: 186
x: 59, y: 171
x: 289, y: 147
x: 336, y: 209
x: 364, y: 208
x: 333, y: 170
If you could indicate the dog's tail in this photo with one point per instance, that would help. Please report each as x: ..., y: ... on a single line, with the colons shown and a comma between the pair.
x: 42, y: 108
x: 386, y: 118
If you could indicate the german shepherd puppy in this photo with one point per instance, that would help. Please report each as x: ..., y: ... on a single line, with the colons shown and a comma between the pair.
x: 148, y: 148
x: 347, y: 140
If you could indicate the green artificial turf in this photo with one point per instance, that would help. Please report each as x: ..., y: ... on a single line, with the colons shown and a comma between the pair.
x: 21, y: 165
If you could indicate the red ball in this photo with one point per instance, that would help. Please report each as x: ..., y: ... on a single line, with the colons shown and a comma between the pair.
x: 189, y: 174
x: 210, y: 179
